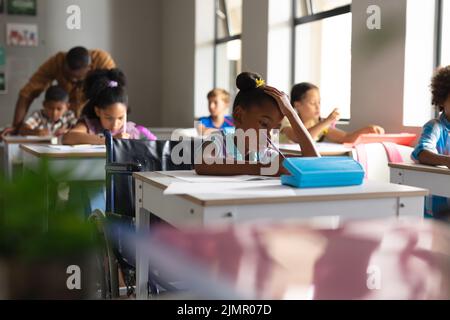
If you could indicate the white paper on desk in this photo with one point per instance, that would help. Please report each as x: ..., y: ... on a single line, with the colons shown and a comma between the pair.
x: 260, y: 188
x: 191, y: 176
x: 77, y: 147
x: 61, y: 148
x: 332, y: 147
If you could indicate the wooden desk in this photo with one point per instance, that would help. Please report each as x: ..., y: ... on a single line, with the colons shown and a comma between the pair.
x: 251, y: 202
x: 12, y: 154
x: 325, y: 149
x: 435, y: 179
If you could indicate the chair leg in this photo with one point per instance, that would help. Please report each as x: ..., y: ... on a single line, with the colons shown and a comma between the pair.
x: 103, y: 279
x: 97, y: 217
x: 153, y: 289
x: 114, y: 275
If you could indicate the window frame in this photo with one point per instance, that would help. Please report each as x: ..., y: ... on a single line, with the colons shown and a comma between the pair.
x: 438, y: 37
x: 298, y: 21
x: 438, y: 31
x: 221, y: 40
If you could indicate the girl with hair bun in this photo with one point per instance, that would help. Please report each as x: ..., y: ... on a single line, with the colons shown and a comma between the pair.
x: 257, y: 110
x: 106, y: 109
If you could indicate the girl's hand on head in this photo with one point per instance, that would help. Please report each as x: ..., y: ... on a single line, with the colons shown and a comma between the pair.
x: 281, y: 98
x: 335, y: 115
x: 122, y: 135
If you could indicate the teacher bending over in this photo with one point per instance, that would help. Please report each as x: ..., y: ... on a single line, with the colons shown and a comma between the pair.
x: 69, y: 70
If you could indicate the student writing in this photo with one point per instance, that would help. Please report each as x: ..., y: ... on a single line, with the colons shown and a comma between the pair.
x: 257, y: 109
x: 106, y: 109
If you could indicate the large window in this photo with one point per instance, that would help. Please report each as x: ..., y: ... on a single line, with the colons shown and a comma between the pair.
x: 420, y: 61
x: 427, y: 48
x: 323, y: 31
x: 227, y: 52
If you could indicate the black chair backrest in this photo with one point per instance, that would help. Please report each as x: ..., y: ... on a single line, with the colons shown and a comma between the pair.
x: 140, y: 155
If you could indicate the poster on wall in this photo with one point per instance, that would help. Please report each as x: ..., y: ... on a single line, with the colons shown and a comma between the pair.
x: 3, y: 82
x: 22, y: 35
x: 22, y: 7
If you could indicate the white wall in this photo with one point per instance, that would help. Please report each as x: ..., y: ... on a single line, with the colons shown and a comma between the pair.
x: 178, y: 59
x: 255, y: 28
x: 136, y: 46
x: 204, y: 54
x: 279, y: 64
x: 20, y: 61
x: 378, y: 61
x: 130, y: 31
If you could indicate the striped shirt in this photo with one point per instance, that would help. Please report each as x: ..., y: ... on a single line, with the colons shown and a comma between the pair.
x: 225, y: 148
x: 39, y: 121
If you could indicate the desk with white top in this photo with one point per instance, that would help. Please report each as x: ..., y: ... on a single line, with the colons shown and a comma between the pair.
x: 82, y: 163
x: 253, y: 202
x: 13, y: 154
x: 435, y: 179
x: 83, y: 167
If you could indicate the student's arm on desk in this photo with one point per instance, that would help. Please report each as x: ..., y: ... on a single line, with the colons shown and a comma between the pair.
x: 433, y: 159
x: 22, y: 106
x: 79, y: 135
x: 25, y: 130
x: 340, y: 136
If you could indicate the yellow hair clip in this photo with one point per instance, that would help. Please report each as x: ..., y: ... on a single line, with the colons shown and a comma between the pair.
x: 260, y: 83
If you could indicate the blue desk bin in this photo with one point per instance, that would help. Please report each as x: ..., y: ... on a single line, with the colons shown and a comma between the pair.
x: 322, y: 172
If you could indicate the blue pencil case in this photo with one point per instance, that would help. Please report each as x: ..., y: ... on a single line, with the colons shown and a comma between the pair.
x: 322, y: 172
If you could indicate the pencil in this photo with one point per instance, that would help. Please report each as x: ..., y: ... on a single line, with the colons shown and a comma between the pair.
x: 276, y: 148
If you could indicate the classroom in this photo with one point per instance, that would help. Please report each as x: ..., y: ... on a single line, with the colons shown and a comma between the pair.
x: 225, y: 150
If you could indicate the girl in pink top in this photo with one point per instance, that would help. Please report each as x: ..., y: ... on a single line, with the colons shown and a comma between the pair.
x: 106, y: 109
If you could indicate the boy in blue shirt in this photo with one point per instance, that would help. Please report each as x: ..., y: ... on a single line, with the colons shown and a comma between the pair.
x: 218, y: 105
x: 434, y: 145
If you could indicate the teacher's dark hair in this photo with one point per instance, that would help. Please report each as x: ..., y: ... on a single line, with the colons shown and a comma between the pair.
x: 78, y: 58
